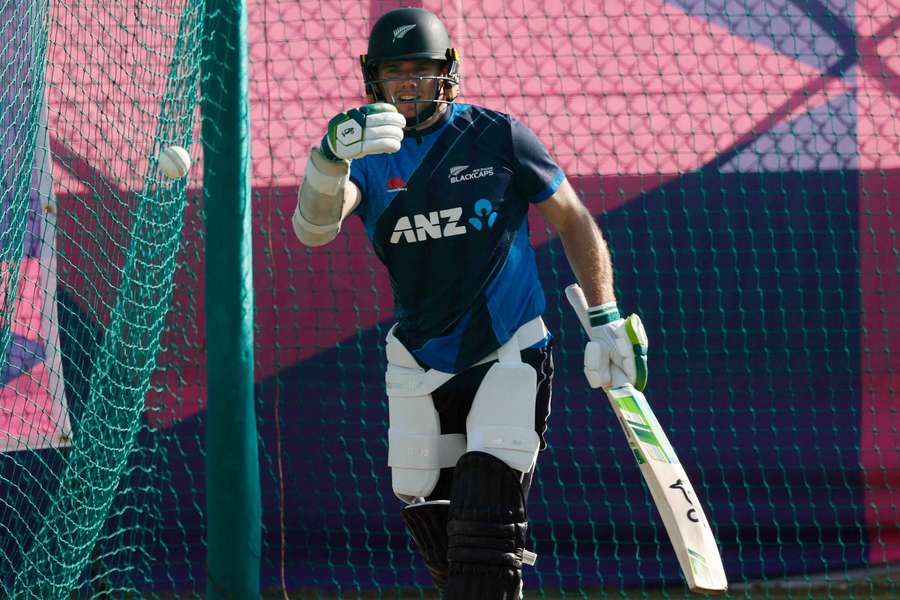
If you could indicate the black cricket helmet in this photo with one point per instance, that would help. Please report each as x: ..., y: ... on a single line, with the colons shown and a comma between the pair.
x: 411, y: 34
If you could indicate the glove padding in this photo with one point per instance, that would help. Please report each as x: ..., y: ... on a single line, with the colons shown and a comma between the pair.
x: 621, y: 343
x: 371, y: 129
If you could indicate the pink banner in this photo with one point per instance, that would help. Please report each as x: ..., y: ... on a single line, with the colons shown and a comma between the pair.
x: 33, y: 410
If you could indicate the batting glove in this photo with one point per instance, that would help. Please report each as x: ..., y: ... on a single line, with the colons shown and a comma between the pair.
x: 370, y: 129
x: 616, y: 345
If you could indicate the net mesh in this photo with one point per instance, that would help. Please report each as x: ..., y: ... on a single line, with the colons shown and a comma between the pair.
x: 740, y: 156
x: 91, y: 93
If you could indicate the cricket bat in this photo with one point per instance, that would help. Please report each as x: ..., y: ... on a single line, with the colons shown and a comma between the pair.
x: 673, y: 494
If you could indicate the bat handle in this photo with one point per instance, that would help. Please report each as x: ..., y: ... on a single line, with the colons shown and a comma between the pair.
x: 576, y: 298
x: 619, y: 378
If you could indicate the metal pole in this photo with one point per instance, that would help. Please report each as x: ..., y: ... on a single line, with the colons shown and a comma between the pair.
x: 232, y: 467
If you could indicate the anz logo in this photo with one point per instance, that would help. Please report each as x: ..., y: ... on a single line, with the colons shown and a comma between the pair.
x: 434, y: 225
x: 485, y: 215
x: 442, y: 224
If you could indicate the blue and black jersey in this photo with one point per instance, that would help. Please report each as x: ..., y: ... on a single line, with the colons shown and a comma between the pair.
x: 447, y: 217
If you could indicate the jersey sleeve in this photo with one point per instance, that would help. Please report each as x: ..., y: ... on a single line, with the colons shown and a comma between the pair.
x: 359, y: 176
x: 538, y: 175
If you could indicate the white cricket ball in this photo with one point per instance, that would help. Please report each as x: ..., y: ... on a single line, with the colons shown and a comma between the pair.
x: 174, y: 162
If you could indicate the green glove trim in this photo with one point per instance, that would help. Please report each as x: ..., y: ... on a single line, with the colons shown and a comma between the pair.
x: 634, y: 329
x: 329, y: 141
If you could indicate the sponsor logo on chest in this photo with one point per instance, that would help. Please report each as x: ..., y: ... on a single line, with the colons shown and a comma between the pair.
x: 445, y: 223
x: 434, y: 225
x: 396, y: 184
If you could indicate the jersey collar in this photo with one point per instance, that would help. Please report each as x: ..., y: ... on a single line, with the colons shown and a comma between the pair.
x: 443, y: 120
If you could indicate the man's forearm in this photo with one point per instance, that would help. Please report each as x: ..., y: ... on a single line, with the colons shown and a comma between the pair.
x: 320, y: 202
x: 589, y: 258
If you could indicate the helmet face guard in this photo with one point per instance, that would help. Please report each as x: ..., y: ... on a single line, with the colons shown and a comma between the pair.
x: 445, y: 91
x: 411, y: 34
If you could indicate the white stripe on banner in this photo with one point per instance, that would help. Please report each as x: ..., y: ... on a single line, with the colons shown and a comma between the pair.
x: 33, y: 409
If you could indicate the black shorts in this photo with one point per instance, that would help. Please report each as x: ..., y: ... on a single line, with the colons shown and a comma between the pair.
x: 454, y: 399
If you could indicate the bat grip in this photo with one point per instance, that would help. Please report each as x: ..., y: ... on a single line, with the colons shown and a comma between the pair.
x: 619, y: 379
x: 576, y: 298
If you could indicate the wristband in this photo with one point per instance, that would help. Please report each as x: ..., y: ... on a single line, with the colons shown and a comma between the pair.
x: 603, y: 314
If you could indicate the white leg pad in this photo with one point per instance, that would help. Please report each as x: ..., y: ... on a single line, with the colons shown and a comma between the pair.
x: 416, y: 449
x: 501, y: 420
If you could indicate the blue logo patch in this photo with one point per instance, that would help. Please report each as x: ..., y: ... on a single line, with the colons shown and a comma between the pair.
x: 485, y: 214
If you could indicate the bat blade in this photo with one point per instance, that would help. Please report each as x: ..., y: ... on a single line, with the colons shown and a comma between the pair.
x: 672, y: 492
x: 677, y: 503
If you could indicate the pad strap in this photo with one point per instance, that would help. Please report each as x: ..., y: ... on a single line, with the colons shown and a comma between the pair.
x: 518, y: 446
x: 405, y: 382
x: 424, y: 451
x: 300, y: 222
x: 527, y: 336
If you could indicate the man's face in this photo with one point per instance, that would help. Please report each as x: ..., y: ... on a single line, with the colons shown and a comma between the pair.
x: 409, y: 95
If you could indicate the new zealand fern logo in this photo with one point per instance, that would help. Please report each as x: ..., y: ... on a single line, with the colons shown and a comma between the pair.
x: 400, y: 32
x: 485, y: 215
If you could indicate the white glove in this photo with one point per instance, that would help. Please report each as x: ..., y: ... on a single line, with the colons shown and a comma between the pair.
x: 617, y: 346
x: 371, y: 129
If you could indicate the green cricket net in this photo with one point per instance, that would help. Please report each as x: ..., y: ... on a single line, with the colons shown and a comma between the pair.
x: 90, y: 93
x: 740, y: 155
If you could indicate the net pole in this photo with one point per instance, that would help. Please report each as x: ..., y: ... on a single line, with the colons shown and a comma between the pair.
x: 232, y: 469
